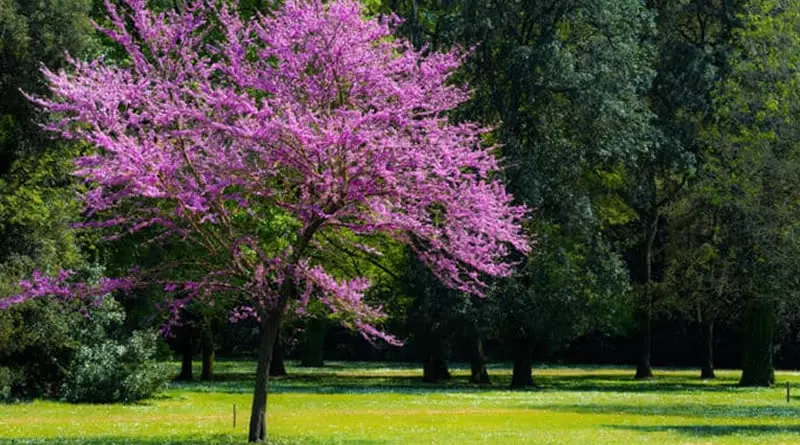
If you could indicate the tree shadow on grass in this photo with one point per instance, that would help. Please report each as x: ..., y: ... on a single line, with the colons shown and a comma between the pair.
x: 709, y: 431
x: 332, y: 381
x: 211, y: 439
x: 616, y: 382
x: 682, y: 410
x: 331, y: 384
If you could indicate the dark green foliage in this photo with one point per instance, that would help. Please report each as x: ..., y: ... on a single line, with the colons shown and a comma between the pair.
x: 36, y: 346
x: 34, y: 33
x: 565, y: 83
x: 5, y: 383
x: 37, y: 197
x: 564, y: 290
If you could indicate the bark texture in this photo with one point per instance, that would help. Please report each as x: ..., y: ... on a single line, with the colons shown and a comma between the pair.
x: 434, y: 366
x: 209, y: 358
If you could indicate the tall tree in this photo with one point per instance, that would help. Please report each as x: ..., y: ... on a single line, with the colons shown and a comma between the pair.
x: 564, y: 82
x: 702, y: 270
x: 692, y: 42
x: 314, y: 119
x: 754, y: 169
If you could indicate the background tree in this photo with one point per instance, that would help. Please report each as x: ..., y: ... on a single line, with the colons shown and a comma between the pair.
x: 567, y: 290
x: 691, y: 41
x: 702, y: 270
x: 37, y: 196
x: 565, y: 82
x: 34, y: 33
x: 754, y: 148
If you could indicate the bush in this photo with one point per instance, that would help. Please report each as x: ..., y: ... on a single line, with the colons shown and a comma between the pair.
x: 145, y: 375
x: 37, y: 346
x: 116, y: 371
x: 5, y: 384
x: 48, y: 349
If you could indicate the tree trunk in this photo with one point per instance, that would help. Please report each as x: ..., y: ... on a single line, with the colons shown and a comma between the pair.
x: 270, y: 326
x: 209, y: 357
x: 479, y: 375
x: 277, y: 368
x: 186, y: 360
x: 434, y: 366
x: 707, y: 371
x: 759, y: 328
x: 644, y: 369
x: 522, y: 376
x: 258, y: 415
x: 313, y: 347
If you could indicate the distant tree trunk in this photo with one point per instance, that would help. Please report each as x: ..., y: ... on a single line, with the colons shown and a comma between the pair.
x: 277, y: 368
x: 435, y: 370
x: 759, y: 328
x: 313, y: 347
x: 707, y: 370
x: 209, y: 357
x: 644, y: 369
x: 434, y: 366
x: 522, y: 376
x: 186, y: 360
x: 479, y: 373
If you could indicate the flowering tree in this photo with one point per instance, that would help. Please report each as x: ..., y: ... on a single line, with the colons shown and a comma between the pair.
x: 271, y: 142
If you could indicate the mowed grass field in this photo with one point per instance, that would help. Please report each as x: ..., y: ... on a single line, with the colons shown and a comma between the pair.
x: 367, y: 403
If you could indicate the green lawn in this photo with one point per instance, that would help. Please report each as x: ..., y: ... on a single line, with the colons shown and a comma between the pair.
x: 363, y: 403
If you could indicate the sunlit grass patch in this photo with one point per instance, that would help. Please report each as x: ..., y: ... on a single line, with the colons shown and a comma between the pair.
x: 368, y: 403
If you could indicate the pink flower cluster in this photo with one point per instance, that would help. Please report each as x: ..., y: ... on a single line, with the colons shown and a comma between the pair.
x: 244, y: 313
x: 60, y: 287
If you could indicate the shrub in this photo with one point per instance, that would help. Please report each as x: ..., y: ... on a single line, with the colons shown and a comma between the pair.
x: 5, y: 384
x: 112, y: 370
x: 146, y: 376
x: 36, y: 346
x: 48, y: 349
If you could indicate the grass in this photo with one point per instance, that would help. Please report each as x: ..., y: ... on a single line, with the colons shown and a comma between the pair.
x: 367, y: 403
